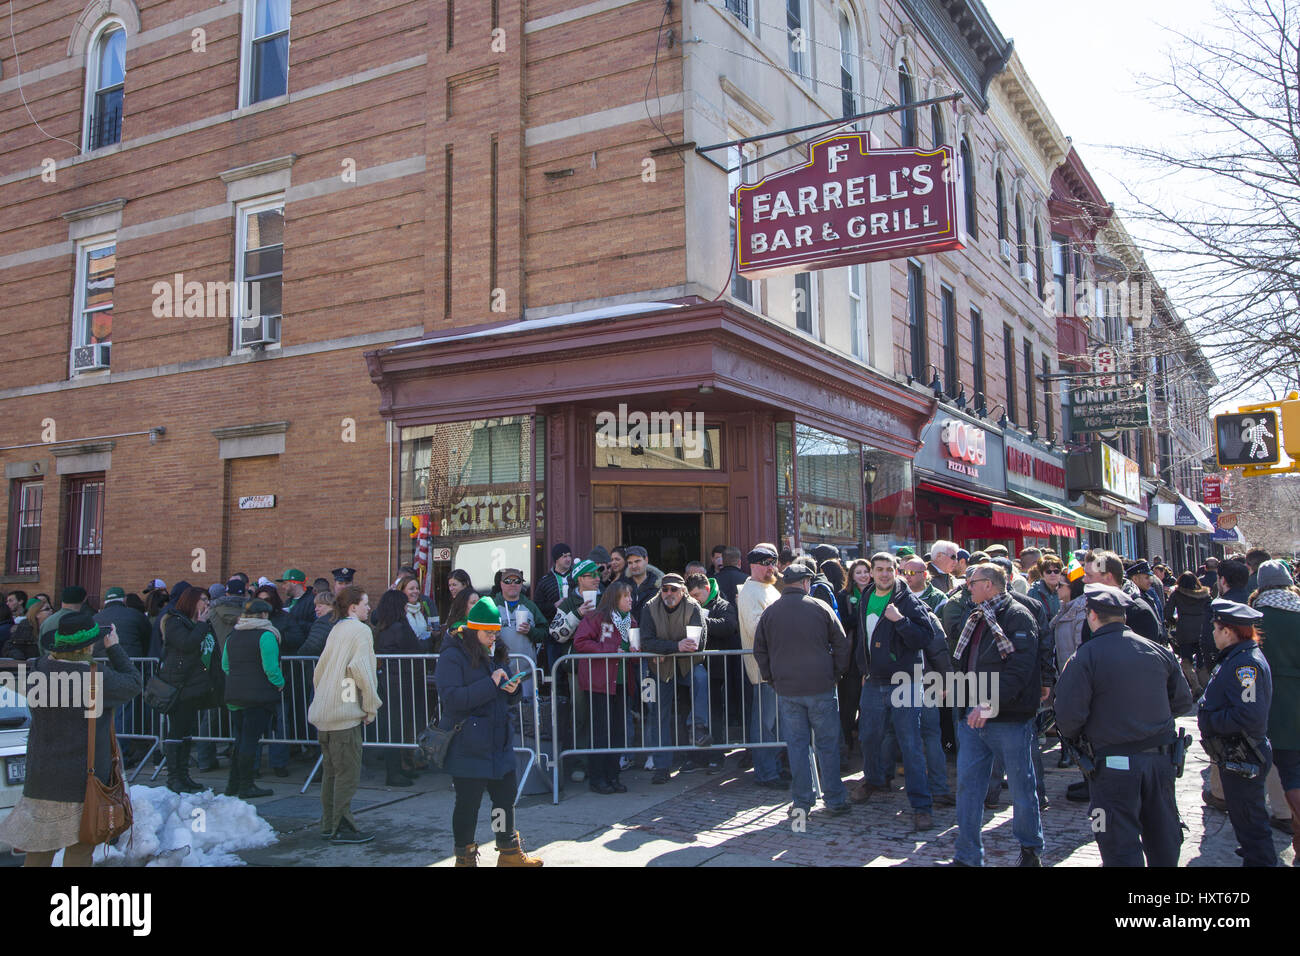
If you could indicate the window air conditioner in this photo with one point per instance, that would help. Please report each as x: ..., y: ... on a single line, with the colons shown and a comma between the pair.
x: 90, y: 358
x: 1027, y: 273
x: 259, y: 331
x: 1004, y: 246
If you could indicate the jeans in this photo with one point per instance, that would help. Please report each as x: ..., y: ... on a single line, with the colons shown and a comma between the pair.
x: 975, y: 752
x: 936, y: 764
x: 762, y: 729
x: 875, y: 705
x: 809, y: 721
x: 663, y: 714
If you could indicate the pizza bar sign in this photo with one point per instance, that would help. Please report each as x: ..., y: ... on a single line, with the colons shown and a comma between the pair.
x: 966, y: 447
x: 847, y: 205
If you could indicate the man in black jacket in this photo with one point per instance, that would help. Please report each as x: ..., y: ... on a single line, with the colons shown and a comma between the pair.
x: 997, y: 699
x: 132, y: 626
x: 1106, y: 567
x: 730, y: 577
x: 800, y: 648
x: 894, y: 629
x: 724, y: 635
x: 555, y: 584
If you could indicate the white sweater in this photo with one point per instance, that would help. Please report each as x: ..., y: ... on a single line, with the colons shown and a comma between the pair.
x: 345, y: 679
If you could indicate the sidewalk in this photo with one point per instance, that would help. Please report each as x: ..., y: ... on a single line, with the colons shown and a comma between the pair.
x: 698, y: 820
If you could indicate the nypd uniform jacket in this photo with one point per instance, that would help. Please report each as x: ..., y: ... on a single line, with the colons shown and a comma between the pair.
x: 1238, y: 696
x: 1108, y: 690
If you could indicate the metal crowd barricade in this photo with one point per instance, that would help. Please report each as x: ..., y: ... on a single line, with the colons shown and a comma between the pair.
x: 644, y: 708
x: 138, y: 721
x: 405, y: 684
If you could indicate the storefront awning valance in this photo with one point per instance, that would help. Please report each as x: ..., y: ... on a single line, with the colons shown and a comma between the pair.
x: 1061, y: 511
x: 1038, y: 523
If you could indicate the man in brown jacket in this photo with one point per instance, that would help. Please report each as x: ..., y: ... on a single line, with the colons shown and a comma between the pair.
x: 673, y: 624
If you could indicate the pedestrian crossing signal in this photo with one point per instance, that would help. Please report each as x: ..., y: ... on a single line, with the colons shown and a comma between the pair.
x: 1246, y: 438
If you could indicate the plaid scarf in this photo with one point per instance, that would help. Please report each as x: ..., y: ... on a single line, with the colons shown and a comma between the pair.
x: 1284, y: 599
x: 986, y: 612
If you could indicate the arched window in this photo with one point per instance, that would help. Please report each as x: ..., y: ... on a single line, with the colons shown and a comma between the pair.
x: 1002, y: 206
x: 105, y: 80
x: 1038, y: 258
x: 1020, y: 233
x: 968, y: 187
x: 936, y: 126
x: 849, y: 82
x: 906, y: 96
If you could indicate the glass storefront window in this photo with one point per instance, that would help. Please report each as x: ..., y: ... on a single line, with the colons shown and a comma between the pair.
x: 470, y: 484
x: 828, y: 474
x: 656, y: 441
x: 890, y: 505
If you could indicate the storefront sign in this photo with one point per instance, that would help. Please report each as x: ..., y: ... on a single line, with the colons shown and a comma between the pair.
x: 477, y: 514
x: 964, y: 453
x: 1119, y: 475
x: 1212, y: 490
x: 256, y: 501
x: 819, y: 521
x: 1034, y: 470
x: 1225, y: 526
x: 1110, y: 402
x: 847, y: 205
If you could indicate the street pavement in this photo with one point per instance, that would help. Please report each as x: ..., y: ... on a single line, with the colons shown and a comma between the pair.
x: 701, y: 820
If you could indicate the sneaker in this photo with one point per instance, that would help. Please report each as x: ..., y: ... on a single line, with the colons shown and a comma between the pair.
x: 346, y: 833
x: 922, y: 821
x: 577, y: 776
x: 1028, y: 857
x: 796, y: 810
x: 649, y: 763
x: 841, y: 810
x: 661, y: 776
x: 624, y: 765
x: 1078, y: 792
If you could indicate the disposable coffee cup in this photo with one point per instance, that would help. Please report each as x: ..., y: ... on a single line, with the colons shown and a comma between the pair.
x: 564, y: 589
x: 693, y: 633
x: 634, y: 638
x: 589, y: 597
x: 521, y: 615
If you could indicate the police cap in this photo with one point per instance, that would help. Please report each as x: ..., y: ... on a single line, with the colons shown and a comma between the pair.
x: 344, y: 575
x: 1230, y: 612
x: 1136, y: 568
x: 1105, y: 599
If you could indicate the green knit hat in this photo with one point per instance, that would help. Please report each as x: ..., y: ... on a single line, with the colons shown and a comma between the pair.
x: 484, y: 616
x: 586, y: 568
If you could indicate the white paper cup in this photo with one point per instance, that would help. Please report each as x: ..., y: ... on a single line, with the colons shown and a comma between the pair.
x: 634, y: 638
x: 521, y: 615
x: 693, y: 633
x: 589, y: 597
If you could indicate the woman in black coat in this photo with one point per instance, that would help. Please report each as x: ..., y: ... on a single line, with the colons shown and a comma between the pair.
x: 187, y: 649
x: 404, y: 713
x: 1188, y: 608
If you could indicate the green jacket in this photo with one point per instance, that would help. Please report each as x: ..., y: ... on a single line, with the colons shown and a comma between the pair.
x: 1281, y: 647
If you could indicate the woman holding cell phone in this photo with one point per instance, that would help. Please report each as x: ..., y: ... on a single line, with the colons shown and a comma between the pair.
x: 606, y: 631
x: 475, y: 686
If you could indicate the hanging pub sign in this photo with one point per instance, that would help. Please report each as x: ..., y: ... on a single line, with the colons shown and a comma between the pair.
x: 847, y: 205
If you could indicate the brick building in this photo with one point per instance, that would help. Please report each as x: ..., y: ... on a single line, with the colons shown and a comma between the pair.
x: 390, y: 263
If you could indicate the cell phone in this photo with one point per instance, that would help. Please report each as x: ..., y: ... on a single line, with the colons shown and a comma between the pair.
x: 511, y: 680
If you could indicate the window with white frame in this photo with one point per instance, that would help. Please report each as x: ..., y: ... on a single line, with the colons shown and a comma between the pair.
x: 25, y: 496
x: 92, y: 330
x: 858, y: 311
x: 805, y: 303
x: 259, y: 273
x: 850, y: 73
x: 740, y: 10
x: 266, y: 50
x: 105, y: 81
x: 797, y: 39
x: 737, y: 173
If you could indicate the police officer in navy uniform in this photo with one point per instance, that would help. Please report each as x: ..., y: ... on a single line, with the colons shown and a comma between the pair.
x: 1236, y: 702
x: 342, y: 578
x: 1123, y: 691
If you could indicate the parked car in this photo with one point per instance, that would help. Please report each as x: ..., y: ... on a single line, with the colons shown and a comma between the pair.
x: 15, y: 720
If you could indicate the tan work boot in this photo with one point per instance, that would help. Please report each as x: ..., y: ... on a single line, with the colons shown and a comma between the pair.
x: 512, y: 853
x: 467, y: 855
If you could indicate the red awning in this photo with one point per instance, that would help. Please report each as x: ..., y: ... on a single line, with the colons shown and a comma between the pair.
x: 941, y: 490
x: 1038, y: 523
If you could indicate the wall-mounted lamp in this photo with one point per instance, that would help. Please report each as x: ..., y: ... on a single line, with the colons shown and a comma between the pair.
x: 960, y: 401
x: 935, y: 385
x: 156, y: 433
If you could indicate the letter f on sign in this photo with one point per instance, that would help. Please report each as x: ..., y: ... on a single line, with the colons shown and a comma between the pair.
x: 839, y: 153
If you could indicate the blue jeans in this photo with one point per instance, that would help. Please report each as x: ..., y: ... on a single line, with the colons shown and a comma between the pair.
x: 663, y: 713
x: 975, y: 752
x: 936, y: 765
x: 805, y: 720
x: 762, y: 729
x: 875, y: 705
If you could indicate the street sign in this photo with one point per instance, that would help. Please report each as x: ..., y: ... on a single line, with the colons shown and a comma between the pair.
x: 1246, y: 438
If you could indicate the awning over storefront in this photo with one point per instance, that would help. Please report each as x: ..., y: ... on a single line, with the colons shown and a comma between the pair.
x: 1114, y: 506
x: 1061, y: 511
x: 1038, y: 523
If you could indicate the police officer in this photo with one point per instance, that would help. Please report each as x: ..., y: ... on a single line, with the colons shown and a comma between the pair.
x: 1234, y: 710
x: 342, y: 578
x: 1122, y: 692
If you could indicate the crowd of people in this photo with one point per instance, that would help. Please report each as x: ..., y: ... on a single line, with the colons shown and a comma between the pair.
x: 904, y: 659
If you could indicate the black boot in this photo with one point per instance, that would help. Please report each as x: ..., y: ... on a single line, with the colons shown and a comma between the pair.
x: 195, y: 786
x: 248, y: 790
x: 232, y: 784
x: 178, y: 778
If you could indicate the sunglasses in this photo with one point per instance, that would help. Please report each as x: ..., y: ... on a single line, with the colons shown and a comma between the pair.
x: 769, y: 563
x: 512, y: 580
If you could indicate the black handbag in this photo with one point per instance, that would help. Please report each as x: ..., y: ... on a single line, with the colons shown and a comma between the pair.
x: 434, y: 741
x: 160, y: 695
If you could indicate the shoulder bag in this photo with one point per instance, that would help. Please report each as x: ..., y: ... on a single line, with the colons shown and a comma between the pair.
x: 434, y: 741
x: 106, y: 812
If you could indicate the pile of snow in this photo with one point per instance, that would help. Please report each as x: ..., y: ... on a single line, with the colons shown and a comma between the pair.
x: 187, y: 829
